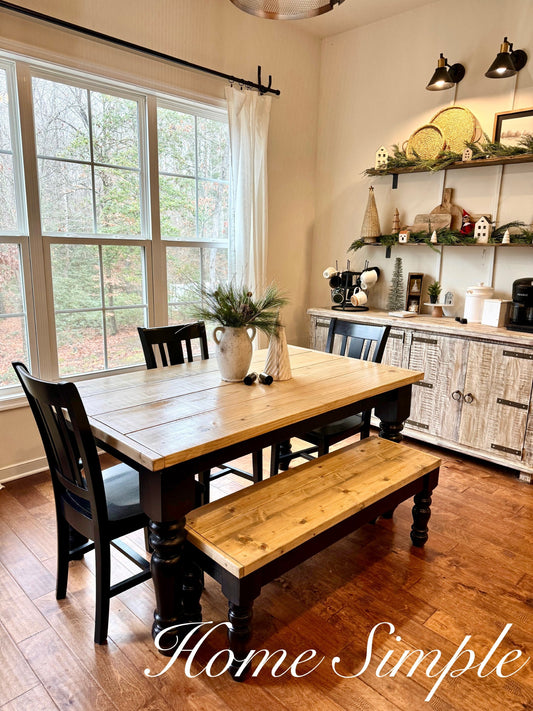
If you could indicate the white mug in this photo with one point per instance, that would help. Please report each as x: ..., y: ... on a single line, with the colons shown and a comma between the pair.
x: 329, y: 272
x: 368, y: 278
x: 359, y: 298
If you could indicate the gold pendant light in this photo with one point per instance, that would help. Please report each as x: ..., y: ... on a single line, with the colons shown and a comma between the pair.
x: 286, y: 9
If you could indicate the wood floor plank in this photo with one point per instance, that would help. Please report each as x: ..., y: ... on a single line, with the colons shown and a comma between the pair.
x: 65, y: 680
x: 26, y: 569
x: 16, y: 676
x: 36, y: 699
x: 18, y: 613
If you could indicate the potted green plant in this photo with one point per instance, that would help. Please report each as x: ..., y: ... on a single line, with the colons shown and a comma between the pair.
x: 238, y: 315
x: 434, y: 290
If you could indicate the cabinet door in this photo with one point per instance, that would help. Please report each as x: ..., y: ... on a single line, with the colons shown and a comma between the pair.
x: 319, y: 333
x: 498, y: 383
x: 443, y: 361
x: 394, y: 349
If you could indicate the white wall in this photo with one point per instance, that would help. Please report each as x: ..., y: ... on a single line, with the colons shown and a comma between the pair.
x: 213, y: 33
x: 373, y: 93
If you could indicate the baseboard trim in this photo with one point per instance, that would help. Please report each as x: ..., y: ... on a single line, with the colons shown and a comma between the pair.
x: 22, y: 469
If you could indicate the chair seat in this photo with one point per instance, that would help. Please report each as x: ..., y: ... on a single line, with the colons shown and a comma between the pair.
x: 337, y: 427
x: 122, y: 494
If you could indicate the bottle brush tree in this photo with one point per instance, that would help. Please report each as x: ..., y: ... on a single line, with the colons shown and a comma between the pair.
x: 397, y: 289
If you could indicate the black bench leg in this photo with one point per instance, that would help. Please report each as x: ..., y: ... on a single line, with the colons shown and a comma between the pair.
x: 285, y: 450
x: 239, y: 633
x: 421, y: 515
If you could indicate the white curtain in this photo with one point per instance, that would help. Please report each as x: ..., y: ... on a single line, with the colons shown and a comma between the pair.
x: 249, y: 115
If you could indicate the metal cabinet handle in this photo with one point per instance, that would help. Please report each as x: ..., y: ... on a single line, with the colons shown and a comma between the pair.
x: 457, y: 395
x: 468, y: 398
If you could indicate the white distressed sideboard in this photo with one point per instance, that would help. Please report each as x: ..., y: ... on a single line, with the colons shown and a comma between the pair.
x: 476, y: 396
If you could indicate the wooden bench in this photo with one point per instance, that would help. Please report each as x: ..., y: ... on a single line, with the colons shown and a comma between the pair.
x: 248, y: 538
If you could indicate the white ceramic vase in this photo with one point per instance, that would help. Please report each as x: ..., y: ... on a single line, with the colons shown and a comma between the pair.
x: 278, y: 364
x: 234, y: 351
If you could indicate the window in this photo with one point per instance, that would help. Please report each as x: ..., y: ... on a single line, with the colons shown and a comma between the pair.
x: 194, y: 203
x: 89, y: 158
x: 83, y: 251
x: 14, y: 343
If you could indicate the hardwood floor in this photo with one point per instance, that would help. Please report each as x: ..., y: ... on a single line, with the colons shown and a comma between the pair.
x: 474, y: 577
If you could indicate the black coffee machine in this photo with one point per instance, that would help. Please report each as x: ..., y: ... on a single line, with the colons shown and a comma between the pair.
x: 521, y: 316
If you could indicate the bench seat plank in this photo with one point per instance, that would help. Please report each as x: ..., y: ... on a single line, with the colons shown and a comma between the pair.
x: 248, y: 529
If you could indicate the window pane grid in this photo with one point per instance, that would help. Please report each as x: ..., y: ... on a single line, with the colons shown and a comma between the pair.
x: 89, y: 152
x: 91, y: 176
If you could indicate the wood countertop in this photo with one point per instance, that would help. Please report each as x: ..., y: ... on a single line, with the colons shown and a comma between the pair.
x: 444, y: 326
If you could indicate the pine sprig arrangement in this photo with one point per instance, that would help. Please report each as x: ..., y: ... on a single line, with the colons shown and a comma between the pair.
x: 480, y: 151
x: 234, y: 306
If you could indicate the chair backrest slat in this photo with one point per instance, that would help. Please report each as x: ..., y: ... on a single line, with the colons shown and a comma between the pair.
x: 68, y: 441
x: 170, y: 341
x: 358, y: 340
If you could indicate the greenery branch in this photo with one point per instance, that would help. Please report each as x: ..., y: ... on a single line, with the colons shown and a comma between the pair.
x: 234, y: 307
x: 480, y: 151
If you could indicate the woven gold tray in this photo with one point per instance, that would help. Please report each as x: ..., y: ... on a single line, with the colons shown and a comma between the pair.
x: 425, y: 143
x: 458, y: 125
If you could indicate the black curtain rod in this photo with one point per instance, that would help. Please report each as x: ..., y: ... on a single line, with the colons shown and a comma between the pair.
x: 139, y: 48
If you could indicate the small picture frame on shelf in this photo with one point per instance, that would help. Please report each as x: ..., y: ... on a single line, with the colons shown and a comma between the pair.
x: 414, y: 292
x: 511, y: 126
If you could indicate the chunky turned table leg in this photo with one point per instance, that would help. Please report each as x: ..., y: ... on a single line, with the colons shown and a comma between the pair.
x: 167, y: 540
x: 193, y: 585
x: 239, y: 633
x: 392, y: 412
x: 421, y: 515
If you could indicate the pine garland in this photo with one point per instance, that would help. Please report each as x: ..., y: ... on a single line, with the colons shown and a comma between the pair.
x: 480, y: 151
x: 450, y: 237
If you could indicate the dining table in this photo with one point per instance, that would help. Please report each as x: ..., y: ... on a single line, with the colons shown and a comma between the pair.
x: 172, y: 423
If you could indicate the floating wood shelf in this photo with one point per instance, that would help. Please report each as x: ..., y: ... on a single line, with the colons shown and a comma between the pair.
x: 442, y: 244
x: 480, y: 163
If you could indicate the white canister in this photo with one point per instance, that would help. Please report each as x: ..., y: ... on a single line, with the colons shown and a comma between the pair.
x: 475, y: 297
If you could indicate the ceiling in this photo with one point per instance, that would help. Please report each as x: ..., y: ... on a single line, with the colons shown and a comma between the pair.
x: 354, y: 13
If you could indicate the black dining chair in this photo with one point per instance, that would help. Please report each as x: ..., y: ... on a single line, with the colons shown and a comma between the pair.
x: 93, y: 507
x: 356, y: 341
x: 174, y: 345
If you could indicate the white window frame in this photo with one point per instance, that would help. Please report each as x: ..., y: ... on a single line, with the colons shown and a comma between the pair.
x: 36, y: 247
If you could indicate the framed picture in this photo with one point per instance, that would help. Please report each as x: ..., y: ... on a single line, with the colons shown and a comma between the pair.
x: 511, y: 126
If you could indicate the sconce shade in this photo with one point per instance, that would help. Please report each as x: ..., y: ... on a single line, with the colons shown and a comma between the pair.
x: 286, y: 9
x: 445, y: 77
x: 507, y: 62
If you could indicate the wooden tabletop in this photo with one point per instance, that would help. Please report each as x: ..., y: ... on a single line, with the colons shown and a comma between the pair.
x: 165, y: 416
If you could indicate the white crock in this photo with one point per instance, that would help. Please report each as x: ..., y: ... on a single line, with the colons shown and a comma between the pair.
x: 234, y: 351
x: 474, y: 300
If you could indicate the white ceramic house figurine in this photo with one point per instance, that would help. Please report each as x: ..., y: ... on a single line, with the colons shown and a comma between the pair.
x: 403, y: 237
x: 482, y: 230
x: 382, y: 158
x: 467, y: 155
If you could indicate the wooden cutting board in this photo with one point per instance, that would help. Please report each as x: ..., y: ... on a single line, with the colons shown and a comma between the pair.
x: 428, y: 223
x: 446, y: 208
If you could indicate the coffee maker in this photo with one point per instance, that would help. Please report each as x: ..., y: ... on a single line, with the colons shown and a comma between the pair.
x: 521, y: 316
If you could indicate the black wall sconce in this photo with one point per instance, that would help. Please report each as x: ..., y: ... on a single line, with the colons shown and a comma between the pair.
x: 508, y: 61
x: 445, y: 76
